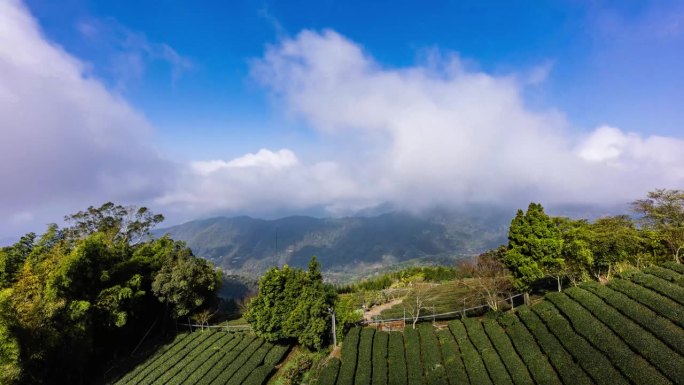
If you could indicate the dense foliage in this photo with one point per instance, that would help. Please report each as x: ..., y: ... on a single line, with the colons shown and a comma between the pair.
x: 75, y: 297
x: 293, y: 304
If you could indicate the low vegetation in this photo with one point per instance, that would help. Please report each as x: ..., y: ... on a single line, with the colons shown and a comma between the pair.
x: 590, y: 334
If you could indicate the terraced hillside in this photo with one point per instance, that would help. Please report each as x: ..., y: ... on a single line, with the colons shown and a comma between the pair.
x: 628, y: 332
x: 210, y: 357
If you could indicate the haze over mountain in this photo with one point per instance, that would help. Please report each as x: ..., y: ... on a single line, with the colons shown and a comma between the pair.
x: 356, y: 245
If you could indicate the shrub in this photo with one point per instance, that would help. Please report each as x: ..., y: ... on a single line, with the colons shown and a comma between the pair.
x: 639, y: 339
x: 204, y: 372
x: 209, y: 348
x: 261, y: 373
x: 349, y: 352
x: 396, y: 360
x: 413, y: 363
x: 666, y: 274
x: 365, y: 355
x: 254, y: 361
x: 678, y: 267
x: 173, y: 360
x: 150, y: 362
x: 239, y: 361
x: 452, y: 358
x: 497, y: 370
x: 241, y: 348
x: 561, y: 359
x: 295, y: 373
x: 329, y: 373
x: 516, y: 368
x: 536, y: 362
x: 664, y: 329
x: 661, y: 286
x: 380, y: 358
x: 432, y: 358
x: 477, y: 373
x: 659, y: 304
x: 590, y: 358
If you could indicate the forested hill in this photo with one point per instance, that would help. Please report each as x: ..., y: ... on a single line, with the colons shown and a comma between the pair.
x: 248, y: 246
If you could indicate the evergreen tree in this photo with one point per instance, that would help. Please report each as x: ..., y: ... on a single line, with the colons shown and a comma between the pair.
x: 534, y: 247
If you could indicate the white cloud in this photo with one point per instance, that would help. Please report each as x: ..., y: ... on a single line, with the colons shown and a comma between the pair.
x: 66, y: 140
x: 263, y: 158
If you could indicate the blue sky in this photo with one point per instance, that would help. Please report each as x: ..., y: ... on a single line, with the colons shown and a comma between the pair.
x: 233, y: 99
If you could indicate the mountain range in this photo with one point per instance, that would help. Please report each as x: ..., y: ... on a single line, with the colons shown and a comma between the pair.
x: 350, y: 246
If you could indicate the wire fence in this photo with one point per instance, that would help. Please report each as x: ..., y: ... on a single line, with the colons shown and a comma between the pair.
x: 446, y: 315
x: 224, y: 327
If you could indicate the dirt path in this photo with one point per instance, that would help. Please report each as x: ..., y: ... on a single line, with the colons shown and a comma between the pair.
x: 376, y: 310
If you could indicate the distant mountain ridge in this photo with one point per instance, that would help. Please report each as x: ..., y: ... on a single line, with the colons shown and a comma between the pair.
x: 245, y: 245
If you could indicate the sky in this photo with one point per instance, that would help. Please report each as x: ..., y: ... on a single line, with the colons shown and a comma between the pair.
x: 331, y: 107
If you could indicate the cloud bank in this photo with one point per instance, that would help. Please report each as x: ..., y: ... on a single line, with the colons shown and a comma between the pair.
x: 66, y: 141
x: 434, y: 133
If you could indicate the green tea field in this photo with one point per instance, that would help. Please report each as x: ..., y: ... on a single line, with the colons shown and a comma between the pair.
x: 630, y: 331
x: 210, y: 357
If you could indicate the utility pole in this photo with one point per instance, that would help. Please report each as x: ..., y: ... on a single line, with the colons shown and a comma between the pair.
x: 332, y: 311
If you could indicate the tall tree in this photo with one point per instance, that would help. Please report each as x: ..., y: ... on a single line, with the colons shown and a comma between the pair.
x: 534, y: 247
x: 663, y: 212
x: 292, y: 304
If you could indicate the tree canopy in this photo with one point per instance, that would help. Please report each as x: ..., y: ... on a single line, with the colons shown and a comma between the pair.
x: 75, y: 297
x: 292, y: 304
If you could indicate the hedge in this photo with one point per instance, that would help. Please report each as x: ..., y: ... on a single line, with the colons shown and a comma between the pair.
x: 254, y: 361
x: 242, y: 347
x: 328, y: 375
x: 654, y: 301
x: 661, y: 286
x: 535, y: 361
x: 643, y: 342
x: 433, y: 368
x: 173, y: 359
x: 364, y: 358
x: 260, y: 374
x: 396, y: 359
x: 349, y: 352
x: 565, y: 340
x: 497, y: 370
x: 514, y: 365
x: 662, y: 328
x: 238, y: 362
x: 203, y: 371
x: 153, y: 360
x: 207, y: 350
x: 451, y: 355
x: 666, y: 274
x: 179, y: 369
x: 633, y: 366
x: 477, y: 373
x: 380, y: 358
x: 678, y: 267
x: 413, y: 363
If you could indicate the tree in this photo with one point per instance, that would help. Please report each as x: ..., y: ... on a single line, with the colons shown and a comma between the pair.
x: 185, y: 284
x: 292, y: 304
x: 663, y: 212
x: 122, y: 224
x: 418, y: 297
x: 534, y: 247
x: 577, y: 254
x: 490, y: 279
x: 616, y: 239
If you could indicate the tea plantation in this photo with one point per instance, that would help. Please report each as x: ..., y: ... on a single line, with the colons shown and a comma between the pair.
x: 630, y: 331
x: 210, y: 357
